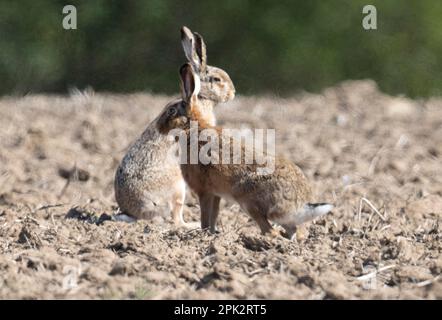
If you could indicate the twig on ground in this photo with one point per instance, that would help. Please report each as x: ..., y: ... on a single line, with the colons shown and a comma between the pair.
x: 374, y: 273
x: 427, y: 282
x: 48, y: 206
x: 375, y: 161
x: 371, y: 206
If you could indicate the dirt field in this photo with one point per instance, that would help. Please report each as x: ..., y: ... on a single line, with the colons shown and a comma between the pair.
x: 376, y: 157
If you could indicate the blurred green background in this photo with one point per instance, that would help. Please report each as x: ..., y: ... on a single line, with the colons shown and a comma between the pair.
x: 276, y: 47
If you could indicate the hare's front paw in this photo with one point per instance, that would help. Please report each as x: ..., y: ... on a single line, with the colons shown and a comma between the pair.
x: 192, y: 225
x: 187, y: 225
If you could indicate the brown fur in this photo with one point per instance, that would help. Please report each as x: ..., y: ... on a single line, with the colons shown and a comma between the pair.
x: 264, y: 197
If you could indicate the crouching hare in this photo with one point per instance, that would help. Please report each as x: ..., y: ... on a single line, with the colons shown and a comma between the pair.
x: 148, y: 182
x: 283, y: 196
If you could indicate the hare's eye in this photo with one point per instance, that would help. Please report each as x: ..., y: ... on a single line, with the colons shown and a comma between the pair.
x: 214, y: 79
x: 171, y: 112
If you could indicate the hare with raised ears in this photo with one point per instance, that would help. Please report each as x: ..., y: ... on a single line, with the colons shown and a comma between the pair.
x: 148, y: 181
x: 216, y: 85
x: 283, y: 196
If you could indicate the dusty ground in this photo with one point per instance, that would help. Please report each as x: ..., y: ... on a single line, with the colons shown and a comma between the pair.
x: 378, y: 158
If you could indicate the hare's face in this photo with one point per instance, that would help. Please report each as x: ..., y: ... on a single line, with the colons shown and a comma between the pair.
x: 174, y: 116
x: 216, y: 85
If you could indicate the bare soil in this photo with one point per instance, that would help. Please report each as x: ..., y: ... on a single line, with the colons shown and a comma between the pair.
x: 377, y: 158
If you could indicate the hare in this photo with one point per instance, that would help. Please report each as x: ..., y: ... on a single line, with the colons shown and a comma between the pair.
x: 283, y: 196
x: 148, y: 181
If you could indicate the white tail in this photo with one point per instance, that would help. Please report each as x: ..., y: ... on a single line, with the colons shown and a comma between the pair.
x: 124, y: 218
x: 311, y: 211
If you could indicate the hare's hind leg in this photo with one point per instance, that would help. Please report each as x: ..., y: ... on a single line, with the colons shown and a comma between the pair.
x: 290, y: 231
x: 260, y: 219
x: 293, y: 232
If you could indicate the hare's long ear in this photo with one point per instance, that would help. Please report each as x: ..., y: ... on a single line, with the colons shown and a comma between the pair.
x: 194, y: 49
x: 188, y: 43
x: 190, y: 84
x: 200, y: 47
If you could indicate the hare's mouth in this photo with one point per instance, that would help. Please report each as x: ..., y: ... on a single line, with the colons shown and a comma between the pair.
x: 179, y: 122
x: 231, y: 95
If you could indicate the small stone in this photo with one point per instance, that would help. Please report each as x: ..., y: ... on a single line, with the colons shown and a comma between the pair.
x: 119, y: 268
